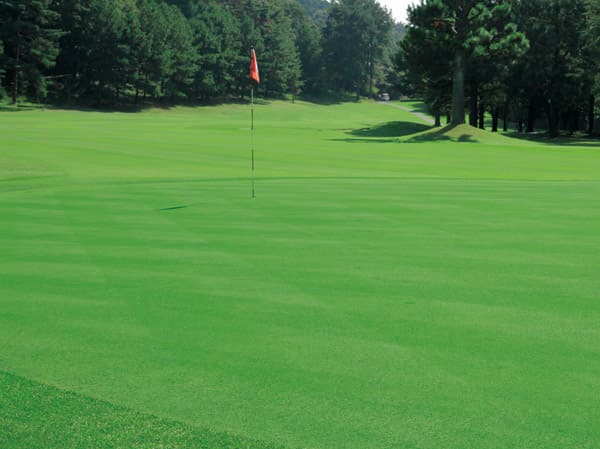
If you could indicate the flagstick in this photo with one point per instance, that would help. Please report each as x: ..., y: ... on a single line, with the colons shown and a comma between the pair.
x: 252, y: 134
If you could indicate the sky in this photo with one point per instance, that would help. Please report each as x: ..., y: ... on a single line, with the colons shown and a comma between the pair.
x: 398, y: 8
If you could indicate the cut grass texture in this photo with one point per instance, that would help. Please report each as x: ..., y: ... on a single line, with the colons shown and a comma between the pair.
x: 36, y: 415
x: 390, y: 286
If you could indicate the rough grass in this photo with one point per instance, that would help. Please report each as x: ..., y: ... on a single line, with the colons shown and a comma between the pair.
x: 36, y: 415
x: 390, y: 286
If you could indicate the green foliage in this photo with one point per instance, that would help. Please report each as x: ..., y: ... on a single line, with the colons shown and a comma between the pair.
x: 266, y: 25
x: 29, y: 37
x: 308, y: 45
x: 217, y: 40
x: 99, y: 52
x: 127, y: 51
x: 281, y: 66
x: 475, y: 40
x: 554, y: 75
x: 317, y: 10
x: 425, y: 57
x: 354, y: 39
x: 184, y: 58
x: 521, y: 58
x: 167, y: 63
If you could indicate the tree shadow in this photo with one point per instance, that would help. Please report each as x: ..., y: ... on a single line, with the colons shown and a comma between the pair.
x: 390, y: 129
x: 183, y: 206
x: 445, y: 134
x: 329, y: 99
x: 125, y: 109
x: 566, y: 141
x: 415, y: 106
x: 359, y: 140
x: 18, y: 108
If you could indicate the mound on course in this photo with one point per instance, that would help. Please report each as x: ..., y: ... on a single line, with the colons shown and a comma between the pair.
x: 391, y: 286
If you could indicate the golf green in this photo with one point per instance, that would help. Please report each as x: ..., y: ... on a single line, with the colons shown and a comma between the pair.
x: 389, y: 287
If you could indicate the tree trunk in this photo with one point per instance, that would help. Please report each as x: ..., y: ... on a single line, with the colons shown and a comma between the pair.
x: 15, y: 92
x: 574, y: 122
x: 473, y: 106
x: 553, y: 121
x: 438, y: 121
x: 137, y: 86
x: 520, y: 128
x: 530, y: 117
x: 448, y: 118
x: 495, y: 114
x: 505, y: 118
x: 458, y: 88
x: 371, y: 70
x: 481, y: 115
x: 591, y: 108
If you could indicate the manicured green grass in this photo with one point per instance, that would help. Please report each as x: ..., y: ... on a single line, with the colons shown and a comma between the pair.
x: 389, y: 287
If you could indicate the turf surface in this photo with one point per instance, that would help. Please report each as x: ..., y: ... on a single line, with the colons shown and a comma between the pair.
x: 390, y: 286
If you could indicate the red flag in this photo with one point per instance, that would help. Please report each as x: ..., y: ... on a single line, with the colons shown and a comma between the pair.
x: 254, y: 68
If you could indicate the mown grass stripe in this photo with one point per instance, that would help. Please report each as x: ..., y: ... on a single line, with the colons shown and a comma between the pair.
x: 384, y: 289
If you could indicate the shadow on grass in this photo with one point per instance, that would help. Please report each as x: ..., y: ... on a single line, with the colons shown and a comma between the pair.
x: 390, y: 129
x: 447, y: 133
x: 107, y: 110
x: 128, y: 108
x: 77, y: 108
x: 329, y: 99
x: 416, y: 106
x: 174, y: 207
x: 358, y: 140
x: 18, y: 108
x: 567, y: 141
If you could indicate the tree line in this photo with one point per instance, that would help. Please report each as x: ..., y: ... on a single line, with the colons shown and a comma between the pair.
x: 523, y: 61
x: 113, y: 52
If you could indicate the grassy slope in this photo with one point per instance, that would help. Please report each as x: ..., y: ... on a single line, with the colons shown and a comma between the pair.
x: 385, y: 289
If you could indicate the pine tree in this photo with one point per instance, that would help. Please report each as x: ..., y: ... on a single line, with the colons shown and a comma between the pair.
x: 552, y: 74
x: 155, y: 56
x: 281, y: 61
x: 217, y: 39
x: 27, y: 30
x: 184, y: 58
x: 72, y: 46
x: 426, y: 56
x: 307, y: 36
x: 355, y: 35
x: 473, y: 29
x: 264, y: 25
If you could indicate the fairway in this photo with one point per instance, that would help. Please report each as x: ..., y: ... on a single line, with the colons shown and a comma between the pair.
x: 389, y: 287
